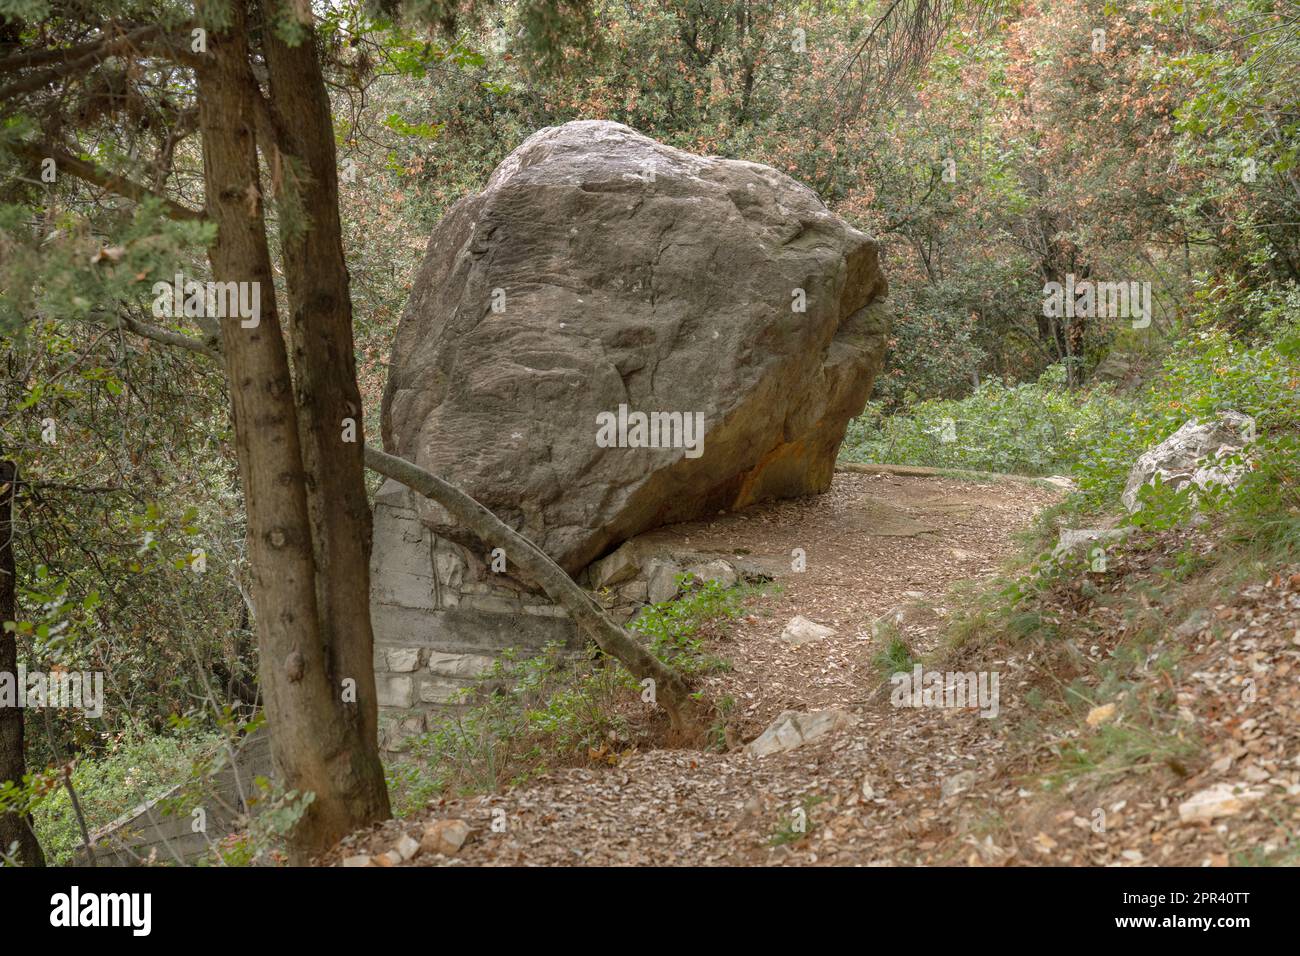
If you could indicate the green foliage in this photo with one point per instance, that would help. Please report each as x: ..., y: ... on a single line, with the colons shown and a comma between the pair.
x: 32, y: 11
x: 1239, y: 353
x: 527, y: 714
x: 76, y: 276
x: 136, y: 765
x: 894, y: 655
x: 421, y: 130
x: 1162, y: 506
x: 1115, y: 750
x: 1238, y: 135
x: 1042, y: 427
x: 1208, y: 371
x: 278, y: 812
x: 123, y: 463
x: 676, y: 628
x: 1037, y: 428
x: 523, y: 716
x: 933, y: 349
x: 717, y: 733
x: 797, y: 825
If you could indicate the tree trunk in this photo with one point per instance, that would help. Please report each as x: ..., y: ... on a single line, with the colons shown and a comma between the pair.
x: 14, y: 828
x: 327, y: 397
x: 671, y: 691
x: 316, y: 732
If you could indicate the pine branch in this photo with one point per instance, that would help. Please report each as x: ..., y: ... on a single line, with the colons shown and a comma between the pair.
x: 102, y: 178
x: 87, y: 57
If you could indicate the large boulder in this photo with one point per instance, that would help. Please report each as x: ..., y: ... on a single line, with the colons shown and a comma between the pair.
x: 601, y: 274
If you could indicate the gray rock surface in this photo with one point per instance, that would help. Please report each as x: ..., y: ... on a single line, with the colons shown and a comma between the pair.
x: 662, y: 582
x: 800, y: 630
x: 792, y: 729
x: 1081, y: 539
x: 719, y: 572
x: 1194, y: 454
x: 598, y: 269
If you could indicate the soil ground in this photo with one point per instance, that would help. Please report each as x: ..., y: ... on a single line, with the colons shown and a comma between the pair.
x: 873, y: 544
x: 927, y: 785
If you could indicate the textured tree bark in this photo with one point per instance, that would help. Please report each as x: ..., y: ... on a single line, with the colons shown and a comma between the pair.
x: 14, y: 828
x: 671, y: 690
x: 326, y: 395
x: 318, y: 737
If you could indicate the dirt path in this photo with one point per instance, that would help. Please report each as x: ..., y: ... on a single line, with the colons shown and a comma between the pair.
x: 873, y: 543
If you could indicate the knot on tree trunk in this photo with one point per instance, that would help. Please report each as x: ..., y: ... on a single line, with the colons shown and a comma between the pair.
x: 293, y: 667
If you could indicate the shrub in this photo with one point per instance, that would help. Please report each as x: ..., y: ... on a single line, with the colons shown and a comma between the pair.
x: 520, y: 717
x: 932, y: 349
x: 1036, y: 428
x: 675, y: 628
x: 1206, y: 372
x: 526, y: 715
x: 137, y: 766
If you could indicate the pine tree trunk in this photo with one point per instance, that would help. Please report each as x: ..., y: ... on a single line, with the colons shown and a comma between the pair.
x: 14, y: 828
x: 328, y: 400
x: 320, y: 737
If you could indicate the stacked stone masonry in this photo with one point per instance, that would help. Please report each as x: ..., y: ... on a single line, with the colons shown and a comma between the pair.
x: 441, y: 618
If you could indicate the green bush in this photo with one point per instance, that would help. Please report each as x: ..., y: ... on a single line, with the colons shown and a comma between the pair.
x: 674, y: 627
x: 520, y: 717
x: 526, y: 715
x: 1206, y: 372
x: 138, y: 765
x: 1241, y: 352
x: 1036, y: 428
x: 932, y: 348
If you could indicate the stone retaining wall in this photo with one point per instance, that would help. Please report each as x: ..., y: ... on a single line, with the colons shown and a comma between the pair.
x: 441, y: 617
